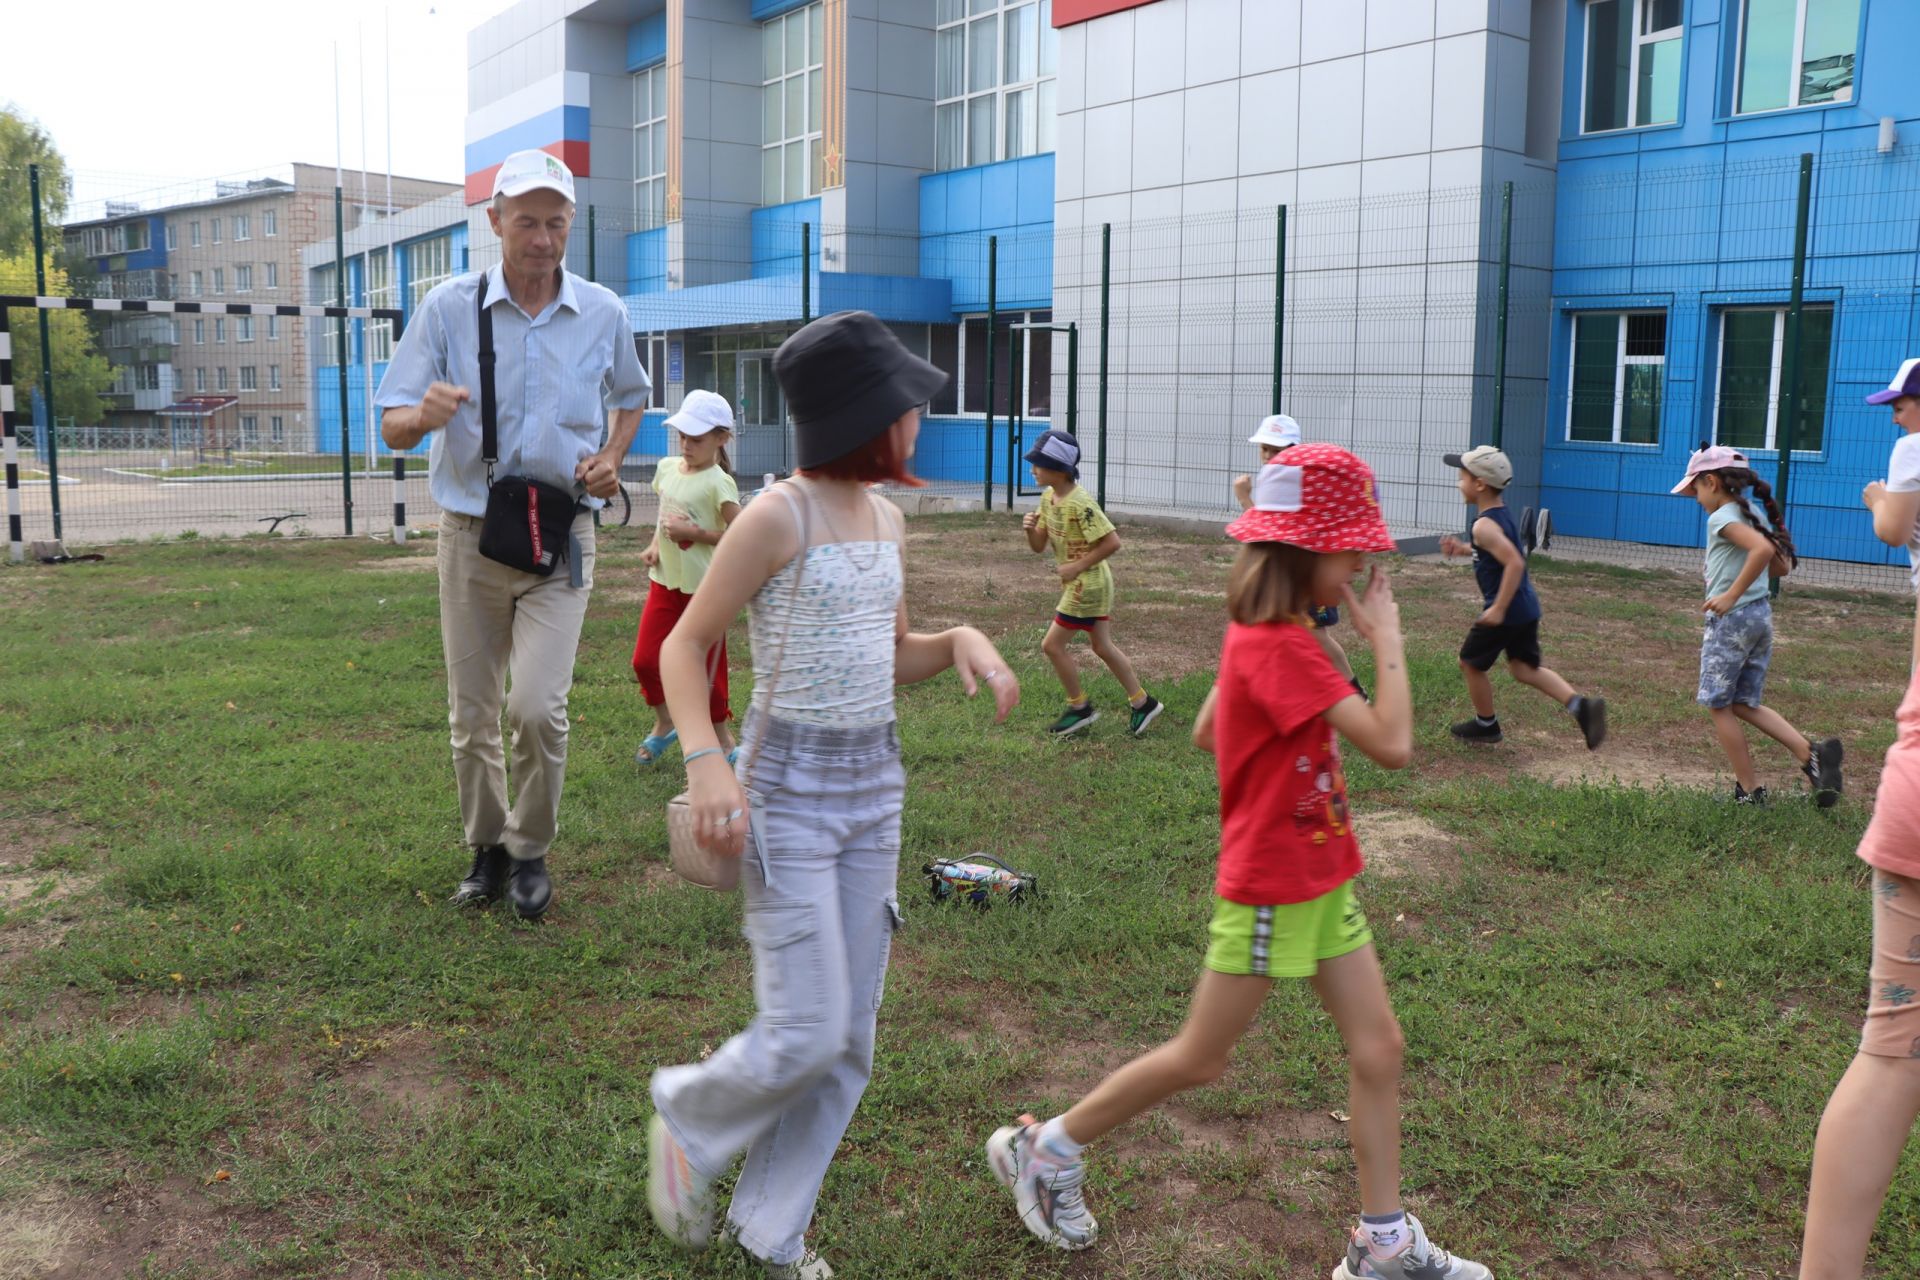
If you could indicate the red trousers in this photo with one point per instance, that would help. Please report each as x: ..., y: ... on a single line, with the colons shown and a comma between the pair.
x: 663, y: 608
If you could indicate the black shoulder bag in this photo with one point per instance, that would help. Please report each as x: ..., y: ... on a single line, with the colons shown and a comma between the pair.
x: 529, y: 523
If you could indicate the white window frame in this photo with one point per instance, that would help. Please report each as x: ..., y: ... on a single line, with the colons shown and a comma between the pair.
x: 243, y: 328
x: 173, y: 237
x: 277, y: 429
x: 193, y: 284
x: 194, y: 234
x: 273, y: 377
x: 273, y: 275
x: 1023, y: 321
x: 220, y: 378
x: 269, y: 222
x: 219, y: 282
x: 219, y: 328
x: 273, y: 328
x: 1795, y: 69
x: 213, y: 230
x: 1046, y: 58
x: 1774, y: 375
x: 242, y: 227
x: 379, y: 333
x: 1620, y: 362
x: 1640, y: 42
x: 429, y: 262
x: 199, y: 331
x: 200, y: 380
x: 813, y: 64
x: 243, y: 278
x: 650, y: 132
x: 249, y: 377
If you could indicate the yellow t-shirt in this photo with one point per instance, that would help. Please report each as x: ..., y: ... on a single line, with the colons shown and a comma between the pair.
x: 697, y: 495
x: 1074, y: 523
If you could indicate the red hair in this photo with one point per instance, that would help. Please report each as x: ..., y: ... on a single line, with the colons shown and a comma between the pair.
x: 877, y: 461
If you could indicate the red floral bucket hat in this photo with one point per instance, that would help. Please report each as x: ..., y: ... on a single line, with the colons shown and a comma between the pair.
x: 1318, y: 497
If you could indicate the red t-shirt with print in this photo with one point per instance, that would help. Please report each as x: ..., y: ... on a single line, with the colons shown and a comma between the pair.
x: 1285, y: 832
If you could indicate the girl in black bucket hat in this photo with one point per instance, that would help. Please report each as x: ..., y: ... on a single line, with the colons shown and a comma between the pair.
x: 819, y: 819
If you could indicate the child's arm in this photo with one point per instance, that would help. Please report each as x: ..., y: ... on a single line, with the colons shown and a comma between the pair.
x: 1095, y: 554
x: 1759, y: 549
x: 1450, y: 547
x: 1382, y: 729
x: 1203, y: 723
x: 682, y: 529
x: 650, y: 557
x: 1243, y: 492
x: 1489, y: 538
x: 1036, y: 531
x: 1894, y: 514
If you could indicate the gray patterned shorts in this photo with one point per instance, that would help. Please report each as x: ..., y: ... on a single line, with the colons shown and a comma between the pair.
x: 1734, y: 654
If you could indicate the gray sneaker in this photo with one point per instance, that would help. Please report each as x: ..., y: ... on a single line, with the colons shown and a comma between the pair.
x: 1417, y: 1259
x: 811, y: 1266
x: 1047, y: 1195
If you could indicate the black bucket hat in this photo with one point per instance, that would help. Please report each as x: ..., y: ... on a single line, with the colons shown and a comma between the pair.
x: 847, y: 379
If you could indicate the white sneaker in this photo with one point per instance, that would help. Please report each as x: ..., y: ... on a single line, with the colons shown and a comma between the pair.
x: 811, y: 1266
x: 1417, y: 1259
x: 680, y: 1200
x: 1047, y: 1195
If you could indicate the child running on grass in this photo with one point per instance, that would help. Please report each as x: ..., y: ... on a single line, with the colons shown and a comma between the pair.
x: 1872, y: 1111
x: 1510, y: 621
x: 1285, y: 906
x: 1276, y: 433
x: 698, y: 501
x: 1745, y: 532
x: 1083, y: 540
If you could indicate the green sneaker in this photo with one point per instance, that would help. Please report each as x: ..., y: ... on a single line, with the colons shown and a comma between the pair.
x: 1074, y: 719
x: 1144, y: 715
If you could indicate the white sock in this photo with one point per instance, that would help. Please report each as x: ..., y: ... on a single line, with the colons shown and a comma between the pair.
x: 1387, y: 1233
x: 1054, y: 1144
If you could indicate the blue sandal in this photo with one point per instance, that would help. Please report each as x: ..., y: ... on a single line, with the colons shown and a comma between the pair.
x: 653, y: 746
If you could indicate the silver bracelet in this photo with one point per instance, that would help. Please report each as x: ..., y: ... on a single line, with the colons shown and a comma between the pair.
x: 704, y: 751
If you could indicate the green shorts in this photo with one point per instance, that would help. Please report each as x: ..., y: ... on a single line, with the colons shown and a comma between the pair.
x: 1287, y: 941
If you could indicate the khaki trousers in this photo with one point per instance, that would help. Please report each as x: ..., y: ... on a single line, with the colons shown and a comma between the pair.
x: 510, y: 637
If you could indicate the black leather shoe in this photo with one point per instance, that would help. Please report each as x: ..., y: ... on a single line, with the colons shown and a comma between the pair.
x: 529, y: 888
x: 484, y: 882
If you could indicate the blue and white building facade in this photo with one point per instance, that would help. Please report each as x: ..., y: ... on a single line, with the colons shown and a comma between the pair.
x: 1682, y: 124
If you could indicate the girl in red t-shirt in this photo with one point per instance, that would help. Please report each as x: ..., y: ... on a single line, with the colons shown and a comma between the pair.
x: 1285, y: 905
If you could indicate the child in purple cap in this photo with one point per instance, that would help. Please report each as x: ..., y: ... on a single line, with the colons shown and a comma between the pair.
x: 1895, y: 501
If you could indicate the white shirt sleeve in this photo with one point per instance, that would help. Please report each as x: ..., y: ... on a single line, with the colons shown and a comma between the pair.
x: 1903, y: 471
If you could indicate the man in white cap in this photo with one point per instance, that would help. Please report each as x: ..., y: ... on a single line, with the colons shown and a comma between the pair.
x: 563, y: 360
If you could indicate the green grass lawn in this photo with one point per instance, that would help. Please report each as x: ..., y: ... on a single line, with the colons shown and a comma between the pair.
x: 240, y: 1035
x: 277, y: 464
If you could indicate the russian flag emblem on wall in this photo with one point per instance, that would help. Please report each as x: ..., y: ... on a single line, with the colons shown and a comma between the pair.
x: 550, y: 115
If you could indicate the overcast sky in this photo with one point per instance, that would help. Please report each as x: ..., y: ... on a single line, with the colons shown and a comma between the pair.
x: 141, y: 95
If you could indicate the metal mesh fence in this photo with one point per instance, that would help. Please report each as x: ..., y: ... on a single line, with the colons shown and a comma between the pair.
x: 1645, y: 308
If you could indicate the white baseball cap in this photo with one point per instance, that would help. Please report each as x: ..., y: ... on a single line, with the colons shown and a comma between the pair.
x: 1280, y: 431
x: 525, y: 171
x: 701, y: 412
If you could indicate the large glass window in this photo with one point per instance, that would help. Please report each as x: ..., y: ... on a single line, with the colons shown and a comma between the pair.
x: 995, y: 62
x: 1752, y: 384
x: 428, y: 263
x: 1632, y: 63
x: 380, y: 293
x: 650, y: 148
x: 1618, y: 376
x: 961, y: 351
x: 792, y: 85
x: 1796, y: 53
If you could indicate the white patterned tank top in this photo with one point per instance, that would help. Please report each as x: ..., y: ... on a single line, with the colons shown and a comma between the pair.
x: 836, y: 658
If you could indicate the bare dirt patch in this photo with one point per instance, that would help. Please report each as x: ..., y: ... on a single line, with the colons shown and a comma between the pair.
x: 398, y: 564
x: 177, y: 1226
x: 1397, y: 842
x: 399, y: 1074
x: 34, y: 1235
x: 25, y: 836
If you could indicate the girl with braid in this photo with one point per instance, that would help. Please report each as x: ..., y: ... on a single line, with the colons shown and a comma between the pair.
x: 1746, y: 535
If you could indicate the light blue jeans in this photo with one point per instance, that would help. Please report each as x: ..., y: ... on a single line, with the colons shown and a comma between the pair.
x: 818, y: 885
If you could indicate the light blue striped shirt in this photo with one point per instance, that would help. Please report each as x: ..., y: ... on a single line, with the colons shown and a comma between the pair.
x: 553, y: 374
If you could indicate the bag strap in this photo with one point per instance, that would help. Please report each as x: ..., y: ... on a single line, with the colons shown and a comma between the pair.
x: 489, y: 407
x: 801, y: 512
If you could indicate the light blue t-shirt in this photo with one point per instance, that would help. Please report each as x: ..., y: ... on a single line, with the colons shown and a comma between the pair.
x: 1725, y: 558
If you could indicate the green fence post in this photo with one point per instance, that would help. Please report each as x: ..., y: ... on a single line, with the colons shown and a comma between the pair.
x: 1015, y: 419
x: 806, y: 272
x: 1500, y: 315
x: 1073, y: 378
x: 1791, y: 393
x: 1106, y: 281
x: 993, y: 317
x: 1279, y: 302
x: 340, y: 350
x: 46, y: 349
x: 593, y: 242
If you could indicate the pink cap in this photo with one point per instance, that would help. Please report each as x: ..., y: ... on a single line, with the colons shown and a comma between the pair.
x: 1711, y: 458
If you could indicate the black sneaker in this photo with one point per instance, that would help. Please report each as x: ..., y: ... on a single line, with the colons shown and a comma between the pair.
x: 1823, y: 771
x: 1073, y: 720
x: 484, y: 882
x: 1755, y: 797
x: 1591, y: 715
x: 1474, y: 731
x: 1144, y: 715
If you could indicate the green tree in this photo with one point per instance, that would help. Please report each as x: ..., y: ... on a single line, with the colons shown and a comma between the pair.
x: 24, y: 142
x: 81, y: 373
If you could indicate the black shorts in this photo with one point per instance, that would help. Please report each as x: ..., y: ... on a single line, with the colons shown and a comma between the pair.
x: 1484, y: 645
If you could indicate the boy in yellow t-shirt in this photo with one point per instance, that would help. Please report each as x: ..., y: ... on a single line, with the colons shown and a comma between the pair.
x: 1083, y: 539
